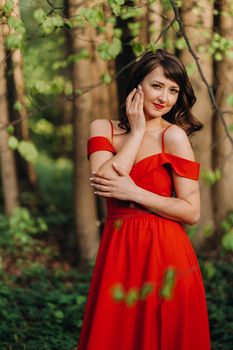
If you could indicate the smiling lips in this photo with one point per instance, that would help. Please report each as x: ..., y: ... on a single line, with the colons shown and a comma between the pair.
x: 158, y: 106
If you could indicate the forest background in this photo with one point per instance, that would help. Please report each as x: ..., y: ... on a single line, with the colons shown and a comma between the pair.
x: 62, y: 65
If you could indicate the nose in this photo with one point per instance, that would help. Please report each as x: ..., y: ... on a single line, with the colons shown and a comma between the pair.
x: 163, y: 96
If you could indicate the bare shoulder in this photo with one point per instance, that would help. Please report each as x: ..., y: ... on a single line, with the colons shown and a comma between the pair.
x: 100, y: 127
x: 176, y: 142
x: 116, y: 128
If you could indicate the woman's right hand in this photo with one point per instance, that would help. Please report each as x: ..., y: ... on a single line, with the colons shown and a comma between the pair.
x: 134, y: 110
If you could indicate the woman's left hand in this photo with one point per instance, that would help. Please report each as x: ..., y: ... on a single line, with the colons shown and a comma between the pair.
x: 120, y: 186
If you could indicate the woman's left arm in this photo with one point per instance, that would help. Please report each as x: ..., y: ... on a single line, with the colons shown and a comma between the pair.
x: 184, y: 208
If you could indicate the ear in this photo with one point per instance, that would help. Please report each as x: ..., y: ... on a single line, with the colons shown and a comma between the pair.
x: 119, y: 170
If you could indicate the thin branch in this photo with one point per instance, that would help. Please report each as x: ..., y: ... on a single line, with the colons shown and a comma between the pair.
x: 210, y: 90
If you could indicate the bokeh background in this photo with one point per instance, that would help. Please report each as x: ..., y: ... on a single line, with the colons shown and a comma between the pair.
x: 62, y: 65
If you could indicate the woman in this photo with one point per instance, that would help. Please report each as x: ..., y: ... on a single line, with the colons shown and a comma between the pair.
x: 147, y: 291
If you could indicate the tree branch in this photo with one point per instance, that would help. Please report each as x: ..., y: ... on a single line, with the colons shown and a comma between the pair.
x: 196, y: 58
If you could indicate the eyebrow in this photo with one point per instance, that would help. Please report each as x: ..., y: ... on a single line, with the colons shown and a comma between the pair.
x: 157, y: 81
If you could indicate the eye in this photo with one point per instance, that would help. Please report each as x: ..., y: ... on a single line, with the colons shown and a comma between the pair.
x: 174, y: 91
x: 156, y: 86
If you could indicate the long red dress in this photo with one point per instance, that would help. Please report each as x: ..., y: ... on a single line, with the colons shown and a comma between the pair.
x: 146, y: 291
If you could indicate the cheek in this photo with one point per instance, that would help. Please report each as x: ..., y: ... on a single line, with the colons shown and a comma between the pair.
x: 173, y: 99
x: 150, y: 94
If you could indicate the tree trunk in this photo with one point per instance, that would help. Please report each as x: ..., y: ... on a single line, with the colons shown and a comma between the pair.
x: 223, y: 152
x: 202, y: 109
x: 154, y: 21
x: 85, y: 209
x: 17, y: 65
x: 7, y: 160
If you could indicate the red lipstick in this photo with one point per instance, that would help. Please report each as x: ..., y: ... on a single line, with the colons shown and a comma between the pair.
x: 158, y: 106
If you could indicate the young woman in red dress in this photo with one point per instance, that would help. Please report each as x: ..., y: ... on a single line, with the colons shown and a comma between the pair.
x: 147, y: 291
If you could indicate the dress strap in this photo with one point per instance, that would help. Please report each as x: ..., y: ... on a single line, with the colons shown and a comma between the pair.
x: 112, y: 129
x: 163, y: 136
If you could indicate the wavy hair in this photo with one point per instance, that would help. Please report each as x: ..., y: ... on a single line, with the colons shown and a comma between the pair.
x: 173, y: 68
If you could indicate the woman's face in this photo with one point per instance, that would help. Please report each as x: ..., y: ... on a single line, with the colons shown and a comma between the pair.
x: 160, y: 93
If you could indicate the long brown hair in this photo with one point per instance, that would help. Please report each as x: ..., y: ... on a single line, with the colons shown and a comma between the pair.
x: 180, y: 114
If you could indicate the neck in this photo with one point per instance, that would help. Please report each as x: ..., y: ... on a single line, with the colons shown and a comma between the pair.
x: 154, y: 124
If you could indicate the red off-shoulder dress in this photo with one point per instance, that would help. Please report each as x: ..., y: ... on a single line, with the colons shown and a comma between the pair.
x: 147, y: 290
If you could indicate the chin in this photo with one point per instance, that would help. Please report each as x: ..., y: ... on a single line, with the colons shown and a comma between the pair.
x: 154, y: 115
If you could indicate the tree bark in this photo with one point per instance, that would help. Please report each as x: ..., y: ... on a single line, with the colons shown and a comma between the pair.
x: 7, y: 160
x: 18, y: 80
x: 223, y: 152
x: 85, y: 209
x: 154, y: 21
x: 195, y: 23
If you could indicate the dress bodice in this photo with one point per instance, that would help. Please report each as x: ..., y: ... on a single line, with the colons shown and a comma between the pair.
x: 153, y: 173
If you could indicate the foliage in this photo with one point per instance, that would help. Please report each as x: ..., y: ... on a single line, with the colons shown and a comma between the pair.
x: 227, y: 226
x: 42, y: 308
x: 18, y: 231
x: 56, y: 188
x: 55, y: 297
x: 218, y: 277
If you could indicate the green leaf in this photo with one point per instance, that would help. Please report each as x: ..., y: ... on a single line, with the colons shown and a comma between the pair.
x: 7, y: 8
x: 59, y: 314
x: 167, y: 289
x: 68, y: 90
x: 117, y: 33
x: 52, y: 23
x: 146, y: 290
x: 229, y: 100
x: 14, y: 41
x: 116, y: 6
x: 118, y: 223
x: 132, y: 297
x: 130, y: 12
x: 40, y: 15
x: 16, y: 24
x: 13, y: 142
x: 227, y: 241
x: 108, y: 51
x: 218, y: 56
x: 209, y: 270
x: 81, y: 299
x: 106, y: 78
x: 94, y: 16
x: 181, y: 44
x: 28, y: 151
x: 17, y: 106
x: 138, y: 48
x: 208, y: 230
x: 191, y: 68
x: 117, y: 292
x: 226, y: 226
x: 83, y: 54
x: 210, y: 177
x: 57, y: 85
x: 10, y: 129
x: 229, y: 54
x: 134, y: 28
x: 176, y: 26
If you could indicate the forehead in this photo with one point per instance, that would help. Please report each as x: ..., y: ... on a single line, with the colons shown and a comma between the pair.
x: 157, y: 74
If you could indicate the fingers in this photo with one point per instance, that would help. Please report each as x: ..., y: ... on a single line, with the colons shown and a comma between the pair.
x: 100, y: 174
x: 97, y: 180
x: 119, y: 171
x: 134, y: 100
x: 130, y: 97
x: 100, y: 187
x: 141, y: 101
x: 103, y: 194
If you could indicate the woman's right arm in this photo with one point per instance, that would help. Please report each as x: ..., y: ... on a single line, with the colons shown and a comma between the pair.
x: 125, y: 158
